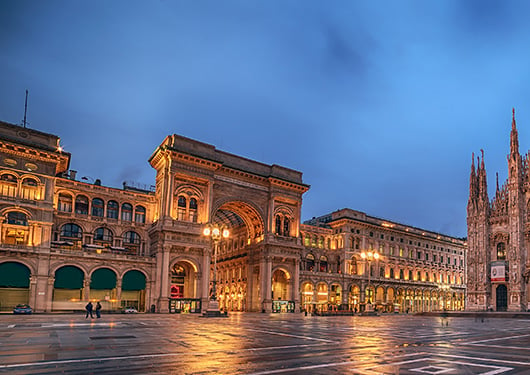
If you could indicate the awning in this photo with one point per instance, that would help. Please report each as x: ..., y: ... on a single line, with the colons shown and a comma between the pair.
x: 103, y: 278
x: 14, y: 275
x: 69, y: 277
x: 133, y: 280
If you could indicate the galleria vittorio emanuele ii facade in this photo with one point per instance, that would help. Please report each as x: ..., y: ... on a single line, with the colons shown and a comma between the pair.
x: 65, y: 240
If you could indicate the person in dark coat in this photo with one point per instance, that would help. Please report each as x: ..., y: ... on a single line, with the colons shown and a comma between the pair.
x: 89, y: 308
x: 98, y: 310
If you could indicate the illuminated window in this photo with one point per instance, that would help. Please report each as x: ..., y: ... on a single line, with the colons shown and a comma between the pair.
x: 501, y: 251
x: 8, y: 185
x: 30, y: 189
x: 310, y: 262
x: 323, y: 264
x: 65, y: 203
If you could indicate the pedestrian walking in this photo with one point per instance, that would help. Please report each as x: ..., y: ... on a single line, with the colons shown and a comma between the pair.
x: 89, y: 308
x: 98, y: 310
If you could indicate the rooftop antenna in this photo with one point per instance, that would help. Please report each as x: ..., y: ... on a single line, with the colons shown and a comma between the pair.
x: 25, y: 109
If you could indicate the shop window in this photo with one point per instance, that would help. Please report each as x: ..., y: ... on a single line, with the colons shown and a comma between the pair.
x: 139, y: 215
x: 98, y: 207
x: 112, y: 210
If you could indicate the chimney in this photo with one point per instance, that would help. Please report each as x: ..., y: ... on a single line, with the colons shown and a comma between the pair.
x: 72, y: 174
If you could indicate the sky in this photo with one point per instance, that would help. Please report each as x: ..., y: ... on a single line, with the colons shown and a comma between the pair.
x: 379, y: 103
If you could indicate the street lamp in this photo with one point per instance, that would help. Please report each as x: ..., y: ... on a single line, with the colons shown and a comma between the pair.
x: 216, y: 233
x: 369, y: 256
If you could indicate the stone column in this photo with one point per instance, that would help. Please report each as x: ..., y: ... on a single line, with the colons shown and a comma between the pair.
x: 49, y: 294
x: 205, y: 279
x: 163, y: 276
x: 266, y: 291
x: 296, y: 285
x: 86, y: 289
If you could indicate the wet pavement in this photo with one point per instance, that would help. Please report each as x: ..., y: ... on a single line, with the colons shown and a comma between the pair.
x: 252, y: 343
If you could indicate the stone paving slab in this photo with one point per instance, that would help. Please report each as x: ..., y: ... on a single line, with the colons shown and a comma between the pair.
x: 248, y: 343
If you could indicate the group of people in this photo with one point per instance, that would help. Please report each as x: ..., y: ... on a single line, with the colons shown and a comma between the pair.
x: 90, y: 308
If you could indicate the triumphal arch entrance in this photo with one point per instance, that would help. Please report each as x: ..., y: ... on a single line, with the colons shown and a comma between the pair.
x: 260, y: 205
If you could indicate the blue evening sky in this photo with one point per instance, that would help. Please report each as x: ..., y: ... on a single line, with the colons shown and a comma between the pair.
x: 379, y: 103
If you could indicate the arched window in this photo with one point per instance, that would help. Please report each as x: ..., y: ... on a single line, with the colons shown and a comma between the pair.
x: 392, y: 276
x: 306, y: 241
x: 286, y: 226
x: 401, y: 275
x: 65, y: 202
x: 131, y: 241
x: 193, y: 210
x: 98, y: 207
x: 103, y: 236
x: 310, y: 262
x: 131, y: 238
x: 30, y: 189
x: 382, y: 272
x: 8, y: 185
x: 181, y: 208
x: 81, y: 205
x: 353, y: 266
x: 139, y: 215
x: 278, y: 225
x: 126, y: 212
x: 410, y: 275
x: 323, y: 264
x: 112, y: 209
x: 17, y: 218
x: 71, y: 231
x: 501, y: 251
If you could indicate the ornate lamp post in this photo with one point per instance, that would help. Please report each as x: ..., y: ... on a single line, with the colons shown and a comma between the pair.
x: 369, y: 256
x: 216, y: 233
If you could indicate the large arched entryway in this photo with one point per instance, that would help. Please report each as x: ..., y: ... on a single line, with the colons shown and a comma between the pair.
x: 103, y: 288
x: 14, y: 285
x: 68, y: 289
x: 501, y: 298
x: 183, y: 289
x: 133, y: 290
x: 282, y: 300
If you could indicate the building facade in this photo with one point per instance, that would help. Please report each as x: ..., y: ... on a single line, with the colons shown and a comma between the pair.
x: 499, y: 234
x: 66, y: 240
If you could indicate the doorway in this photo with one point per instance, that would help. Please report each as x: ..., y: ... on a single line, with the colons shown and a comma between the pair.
x: 502, y: 298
